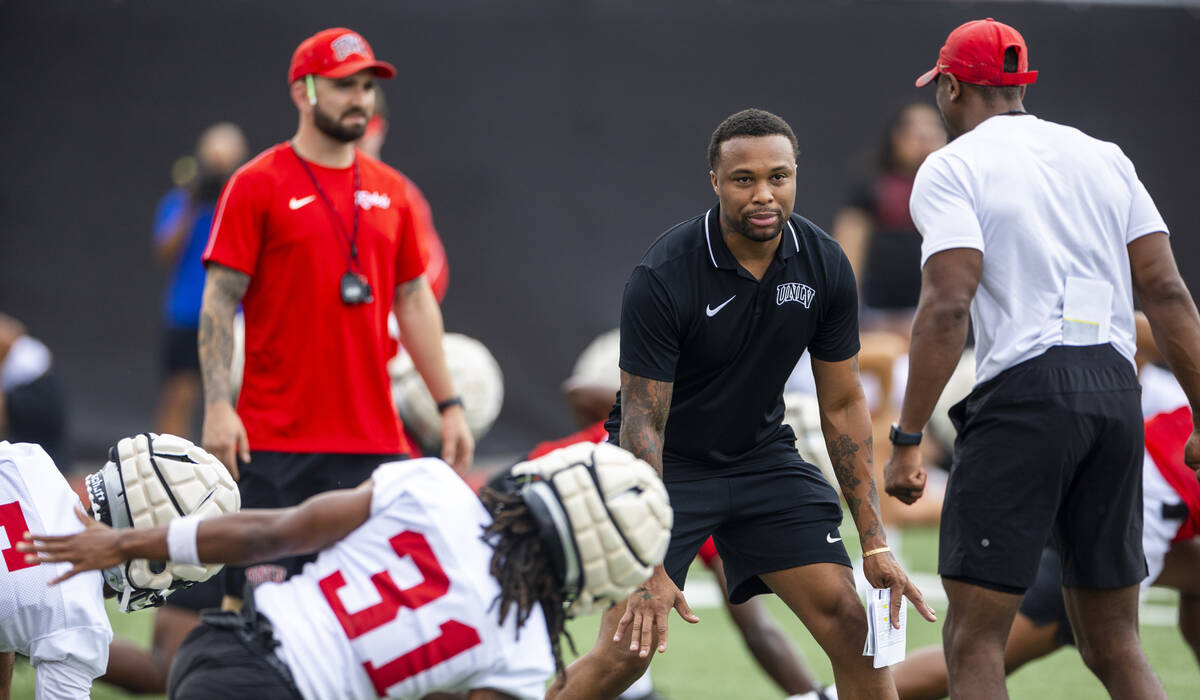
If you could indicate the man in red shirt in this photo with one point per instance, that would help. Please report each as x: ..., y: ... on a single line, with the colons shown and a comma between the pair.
x: 318, y: 242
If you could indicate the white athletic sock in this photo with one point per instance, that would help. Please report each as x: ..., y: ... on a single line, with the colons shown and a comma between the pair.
x: 640, y: 688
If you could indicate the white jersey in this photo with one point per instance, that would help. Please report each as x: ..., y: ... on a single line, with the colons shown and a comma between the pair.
x: 1052, y: 209
x: 63, y: 629
x: 403, y: 606
x: 1161, y: 393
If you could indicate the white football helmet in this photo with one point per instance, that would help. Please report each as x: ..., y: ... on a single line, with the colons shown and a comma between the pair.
x: 477, y: 376
x: 605, y: 517
x: 148, y: 481
x: 957, y: 387
x: 597, y: 364
x: 802, y: 413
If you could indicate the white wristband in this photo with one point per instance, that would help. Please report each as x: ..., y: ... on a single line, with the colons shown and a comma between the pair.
x: 181, y: 540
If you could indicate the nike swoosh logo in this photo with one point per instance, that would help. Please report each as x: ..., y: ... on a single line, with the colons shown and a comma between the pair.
x: 708, y: 309
x: 297, y: 203
x: 831, y: 539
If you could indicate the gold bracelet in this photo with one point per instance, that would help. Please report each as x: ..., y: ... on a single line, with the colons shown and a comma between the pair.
x: 877, y: 550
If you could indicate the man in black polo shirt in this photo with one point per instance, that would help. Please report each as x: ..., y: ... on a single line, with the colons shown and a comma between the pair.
x: 713, y: 321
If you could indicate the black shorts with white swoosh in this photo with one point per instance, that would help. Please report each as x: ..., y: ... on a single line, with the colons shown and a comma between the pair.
x: 761, y: 522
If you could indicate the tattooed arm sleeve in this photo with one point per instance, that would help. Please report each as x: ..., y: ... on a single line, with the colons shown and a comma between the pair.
x: 223, y: 290
x: 846, y: 424
x: 645, y: 404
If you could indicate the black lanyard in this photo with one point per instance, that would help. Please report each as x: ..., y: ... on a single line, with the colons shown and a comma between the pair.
x: 351, y: 239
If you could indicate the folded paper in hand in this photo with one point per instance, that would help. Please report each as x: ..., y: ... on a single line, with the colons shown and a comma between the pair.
x: 884, y: 642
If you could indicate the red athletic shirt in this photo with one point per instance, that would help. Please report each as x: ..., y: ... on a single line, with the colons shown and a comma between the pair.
x: 315, y: 375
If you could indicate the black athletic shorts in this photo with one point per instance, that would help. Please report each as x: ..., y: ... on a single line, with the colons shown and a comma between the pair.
x: 205, y: 595
x: 761, y: 522
x: 1049, y: 450
x: 282, y: 479
x: 181, y: 351
x: 37, y: 413
x: 231, y: 655
x: 1043, y: 603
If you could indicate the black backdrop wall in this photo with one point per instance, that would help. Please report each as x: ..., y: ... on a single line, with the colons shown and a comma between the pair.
x: 554, y: 138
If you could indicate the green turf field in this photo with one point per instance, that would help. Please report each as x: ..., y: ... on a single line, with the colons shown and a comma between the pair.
x: 708, y: 662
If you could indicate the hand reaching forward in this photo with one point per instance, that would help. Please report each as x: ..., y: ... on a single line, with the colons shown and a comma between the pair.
x: 648, y: 608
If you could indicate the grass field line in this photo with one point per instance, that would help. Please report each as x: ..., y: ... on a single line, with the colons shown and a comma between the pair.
x: 704, y: 593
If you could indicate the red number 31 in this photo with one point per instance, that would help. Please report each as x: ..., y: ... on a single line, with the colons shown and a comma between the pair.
x: 455, y: 637
x: 13, y: 522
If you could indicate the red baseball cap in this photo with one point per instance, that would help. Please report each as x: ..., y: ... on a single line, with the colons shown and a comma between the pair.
x: 336, y: 53
x: 974, y: 53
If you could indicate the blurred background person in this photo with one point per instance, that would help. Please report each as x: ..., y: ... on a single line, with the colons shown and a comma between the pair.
x: 32, y: 404
x: 437, y: 268
x: 875, y: 228
x: 181, y: 224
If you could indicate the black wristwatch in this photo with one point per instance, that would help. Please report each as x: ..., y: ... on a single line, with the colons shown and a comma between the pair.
x: 452, y: 401
x: 900, y: 438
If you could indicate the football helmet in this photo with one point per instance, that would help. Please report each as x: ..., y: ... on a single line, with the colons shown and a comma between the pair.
x: 148, y: 481
x: 961, y: 382
x: 477, y: 376
x: 604, y: 517
x: 802, y: 413
x: 597, y: 364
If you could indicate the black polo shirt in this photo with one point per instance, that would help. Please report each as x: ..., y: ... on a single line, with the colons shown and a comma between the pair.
x: 693, y: 316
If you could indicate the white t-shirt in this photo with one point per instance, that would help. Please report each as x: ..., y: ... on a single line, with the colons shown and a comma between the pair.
x: 63, y: 629
x: 402, y: 606
x: 1045, y: 203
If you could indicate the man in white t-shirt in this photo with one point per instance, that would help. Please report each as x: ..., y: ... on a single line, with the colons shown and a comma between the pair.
x: 419, y: 587
x: 1042, y: 233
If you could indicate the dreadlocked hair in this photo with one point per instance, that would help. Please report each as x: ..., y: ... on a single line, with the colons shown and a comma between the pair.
x: 522, y: 567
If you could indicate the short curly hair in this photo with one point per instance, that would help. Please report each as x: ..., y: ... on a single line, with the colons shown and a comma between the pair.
x: 749, y: 122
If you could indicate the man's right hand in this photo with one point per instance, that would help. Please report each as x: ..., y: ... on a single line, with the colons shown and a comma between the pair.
x: 903, y: 475
x: 648, y: 608
x: 225, y: 436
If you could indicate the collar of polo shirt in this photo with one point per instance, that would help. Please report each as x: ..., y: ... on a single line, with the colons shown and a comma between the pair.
x: 719, y: 253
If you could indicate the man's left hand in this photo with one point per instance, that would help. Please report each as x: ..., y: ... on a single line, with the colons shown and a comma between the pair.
x: 883, y: 571
x: 95, y: 548
x: 458, y: 446
x: 903, y: 475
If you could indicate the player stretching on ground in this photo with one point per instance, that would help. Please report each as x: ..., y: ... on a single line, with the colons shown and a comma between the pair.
x: 402, y: 599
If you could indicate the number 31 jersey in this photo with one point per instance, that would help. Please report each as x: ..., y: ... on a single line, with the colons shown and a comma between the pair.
x: 403, y: 605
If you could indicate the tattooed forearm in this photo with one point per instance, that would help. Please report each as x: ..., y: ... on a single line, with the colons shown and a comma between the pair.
x: 223, y: 291
x: 409, y: 288
x: 855, y: 475
x: 841, y: 453
x: 645, y: 404
x: 875, y: 528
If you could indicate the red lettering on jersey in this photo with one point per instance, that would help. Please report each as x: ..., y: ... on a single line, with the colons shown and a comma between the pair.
x: 12, y: 519
x: 454, y: 637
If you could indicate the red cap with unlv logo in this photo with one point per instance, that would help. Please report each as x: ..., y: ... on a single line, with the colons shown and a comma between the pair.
x: 336, y: 53
x: 974, y: 53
